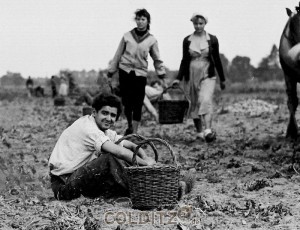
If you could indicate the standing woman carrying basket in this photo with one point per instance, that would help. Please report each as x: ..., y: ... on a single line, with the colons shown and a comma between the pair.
x: 131, y: 61
x: 197, y: 70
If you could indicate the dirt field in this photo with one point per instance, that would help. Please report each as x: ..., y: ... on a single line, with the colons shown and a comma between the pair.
x: 249, y: 178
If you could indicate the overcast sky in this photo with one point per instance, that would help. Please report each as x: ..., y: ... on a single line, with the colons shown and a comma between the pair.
x: 40, y: 37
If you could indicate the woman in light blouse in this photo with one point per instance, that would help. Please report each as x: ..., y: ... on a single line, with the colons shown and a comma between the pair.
x: 197, y: 71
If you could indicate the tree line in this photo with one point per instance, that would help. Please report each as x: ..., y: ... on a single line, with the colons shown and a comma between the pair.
x: 238, y: 70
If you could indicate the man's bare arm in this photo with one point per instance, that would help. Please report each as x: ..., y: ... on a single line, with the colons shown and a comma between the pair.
x: 124, y: 153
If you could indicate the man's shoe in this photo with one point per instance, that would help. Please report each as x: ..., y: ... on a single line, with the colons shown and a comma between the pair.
x: 209, y: 135
x: 200, y: 136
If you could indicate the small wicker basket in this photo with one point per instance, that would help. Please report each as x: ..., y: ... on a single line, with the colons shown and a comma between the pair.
x: 172, y: 111
x: 153, y: 186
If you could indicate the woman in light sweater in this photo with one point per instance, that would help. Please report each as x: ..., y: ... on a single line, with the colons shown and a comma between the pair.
x: 131, y: 62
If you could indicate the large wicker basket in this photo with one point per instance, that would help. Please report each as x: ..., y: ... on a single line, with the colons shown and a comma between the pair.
x: 153, y: 186
x: 172, y: 111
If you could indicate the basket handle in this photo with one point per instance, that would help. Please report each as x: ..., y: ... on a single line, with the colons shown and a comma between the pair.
x: 141, y: 138
x: 149, y: 141
x: 172, y: 87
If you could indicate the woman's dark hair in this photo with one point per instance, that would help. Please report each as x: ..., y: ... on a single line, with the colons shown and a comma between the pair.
x: 145, y: 13
x: 107, y: 99
x: 197, y: 17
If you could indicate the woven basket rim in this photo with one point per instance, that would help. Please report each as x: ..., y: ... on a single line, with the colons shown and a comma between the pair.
x: 173, y: 101
x: 175, y: 166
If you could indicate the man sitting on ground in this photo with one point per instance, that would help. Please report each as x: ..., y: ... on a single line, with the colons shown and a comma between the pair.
x: 86, y: 161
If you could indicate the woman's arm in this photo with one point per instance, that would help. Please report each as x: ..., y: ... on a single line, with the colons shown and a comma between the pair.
x: 217, y: 59
x: 157, y: 62
x: 113, y: 66
x: 185, y: 61
x: 124, y: 153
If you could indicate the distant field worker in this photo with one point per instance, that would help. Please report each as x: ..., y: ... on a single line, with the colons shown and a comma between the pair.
x: 63, y: 88
x: 29, y: 86
x: 131, y: 61
x: 53, y: 86
x: 197, y: 70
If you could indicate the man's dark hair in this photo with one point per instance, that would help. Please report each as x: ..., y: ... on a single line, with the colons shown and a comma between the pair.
x: 145, y: 13
x: 107, y: 99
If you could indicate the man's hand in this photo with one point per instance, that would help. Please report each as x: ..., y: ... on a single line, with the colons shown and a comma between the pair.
x: 150, y: 161
x: 124, y: 153
x: 141, y: 153
x: 222, y: 85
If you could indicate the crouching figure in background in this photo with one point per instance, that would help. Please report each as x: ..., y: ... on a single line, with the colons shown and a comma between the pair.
x: 152, y: 94
x: 86, y: 161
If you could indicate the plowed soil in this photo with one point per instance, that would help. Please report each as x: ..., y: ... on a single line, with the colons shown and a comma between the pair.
x: 248, y: 178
